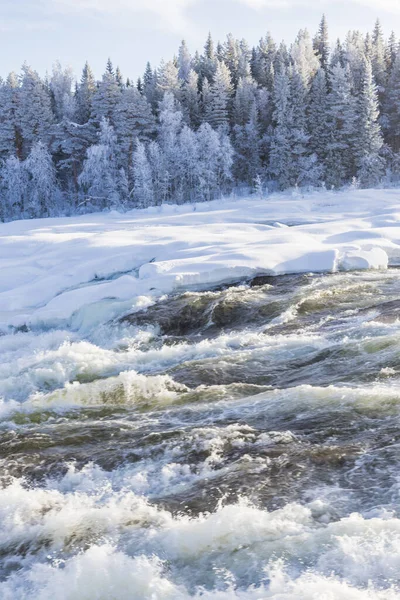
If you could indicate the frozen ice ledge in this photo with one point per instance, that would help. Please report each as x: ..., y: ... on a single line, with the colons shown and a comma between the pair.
x: 86, y: 269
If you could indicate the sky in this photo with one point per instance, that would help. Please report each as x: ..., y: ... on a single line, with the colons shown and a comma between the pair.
x: 132, y: 32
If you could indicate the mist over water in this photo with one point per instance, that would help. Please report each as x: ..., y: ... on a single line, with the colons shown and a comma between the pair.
x: 239, y: 443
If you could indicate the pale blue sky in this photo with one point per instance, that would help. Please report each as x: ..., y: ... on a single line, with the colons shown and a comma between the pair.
x: 134, y: 31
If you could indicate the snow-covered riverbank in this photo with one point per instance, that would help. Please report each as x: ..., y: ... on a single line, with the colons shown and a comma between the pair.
x: 51, y: 269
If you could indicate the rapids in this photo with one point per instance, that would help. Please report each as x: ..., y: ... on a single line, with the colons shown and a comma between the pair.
x: 236, y: 443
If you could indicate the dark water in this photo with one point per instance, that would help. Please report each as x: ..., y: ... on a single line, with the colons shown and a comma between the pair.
x: 238, y: 443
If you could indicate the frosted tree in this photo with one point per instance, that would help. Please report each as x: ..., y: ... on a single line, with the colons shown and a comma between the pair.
x: 247, y: 163
x: 378, y: 60
x: 217, y: 113
x: 34, y: 113
x: 304, y: 166
x: 338, y: 56
x: 190, y: 100
x: 318, y: 116
x: 188, y: 164
x: 168, y: 79
x: 70, y: 142
x: 10, y: 133
x: 208, y: 62
x: 244, y: 55
x: 262, y: 62
x: 14, y: 181
x: 41, y: 186
x: 61, y: 83
x: 321, y: 44
x: 231, y: 53
x: 291, y: 160
x: 159, y: 171
x: 280, y: 153
x: 143, y: 185
x: 225, y: 161
x: 119, y: 78
x: 134, y: 121
x: 99, y: 179
x: 150, y: 86
x: 171, y: 121
x: 370, y: 163
x: 354, y: 57
x: 244, y: 101
x: 393, y: 106
x: 342, y: 125
x: 184, y: 62
x: 84, y: 95
x: 304, y: 57
x: 209, y: 150
x: 391, y: 52
x: 215, y: 161
x: 106, y: 97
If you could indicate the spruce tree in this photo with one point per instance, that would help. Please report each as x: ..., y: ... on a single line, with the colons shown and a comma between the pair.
x: 84, y: 95
x: 34, y: 113
x: 370, y: 164
x: 321, y: 44
x: 106, y: 97
x: 41, y: 185
x: 217, y: 109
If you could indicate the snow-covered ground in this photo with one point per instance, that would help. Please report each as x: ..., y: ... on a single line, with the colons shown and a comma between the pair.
x: 52, y: 270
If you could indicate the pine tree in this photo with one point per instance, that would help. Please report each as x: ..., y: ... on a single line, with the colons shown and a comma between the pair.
x: 134, y: 121
x: 70, y: 142
x: 321, y: 44
x: 34, y: 114
x: 150, y: 87
x: 171, y: 121
x: 41, y: 186
x: 280, y: 154
x: 99, y: 179
x: 338, y: 56
x: 370, y: 164
x: 247, y: 163
x: 84, y: 95
x: 392, y: 107
x: 304, y: 58
x: 318, y: 116
x: 188, y: 165
x: 119, y: 78
x: 209, y: 154
x: 231, y: 53
x: 168, y: 80
x: 391, y: 52
x: 342, y: 125
x: 184, y: 62
x: 10, y: 133
x: 244, y: 101
x: 208, y: 62
x: 378, y: 61
x: 106, y: 97
x: 160, y: 175
x: 217, y: 110
x: 14, y: 187
x: 190, y: 100
x: 143, y: 184
x: 354, y: 58
x: 61, y: 89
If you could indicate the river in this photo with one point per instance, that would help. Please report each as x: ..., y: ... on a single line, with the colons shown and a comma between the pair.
x: 241, y: 442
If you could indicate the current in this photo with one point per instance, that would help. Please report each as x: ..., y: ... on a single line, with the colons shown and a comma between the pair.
x: 238, y: 443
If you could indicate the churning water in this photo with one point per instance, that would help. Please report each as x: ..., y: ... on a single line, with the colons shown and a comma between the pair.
x: 241, y: 443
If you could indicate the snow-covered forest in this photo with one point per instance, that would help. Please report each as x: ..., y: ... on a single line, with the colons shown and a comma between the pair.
x: 233, y: 118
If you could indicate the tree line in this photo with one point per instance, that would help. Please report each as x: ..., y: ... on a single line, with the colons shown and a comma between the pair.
x: 270, y: 117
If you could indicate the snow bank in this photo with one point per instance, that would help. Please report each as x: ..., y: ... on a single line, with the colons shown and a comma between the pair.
x: 53, y: 269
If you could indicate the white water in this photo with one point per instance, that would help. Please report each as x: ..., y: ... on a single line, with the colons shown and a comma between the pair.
x: 126, y: 480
